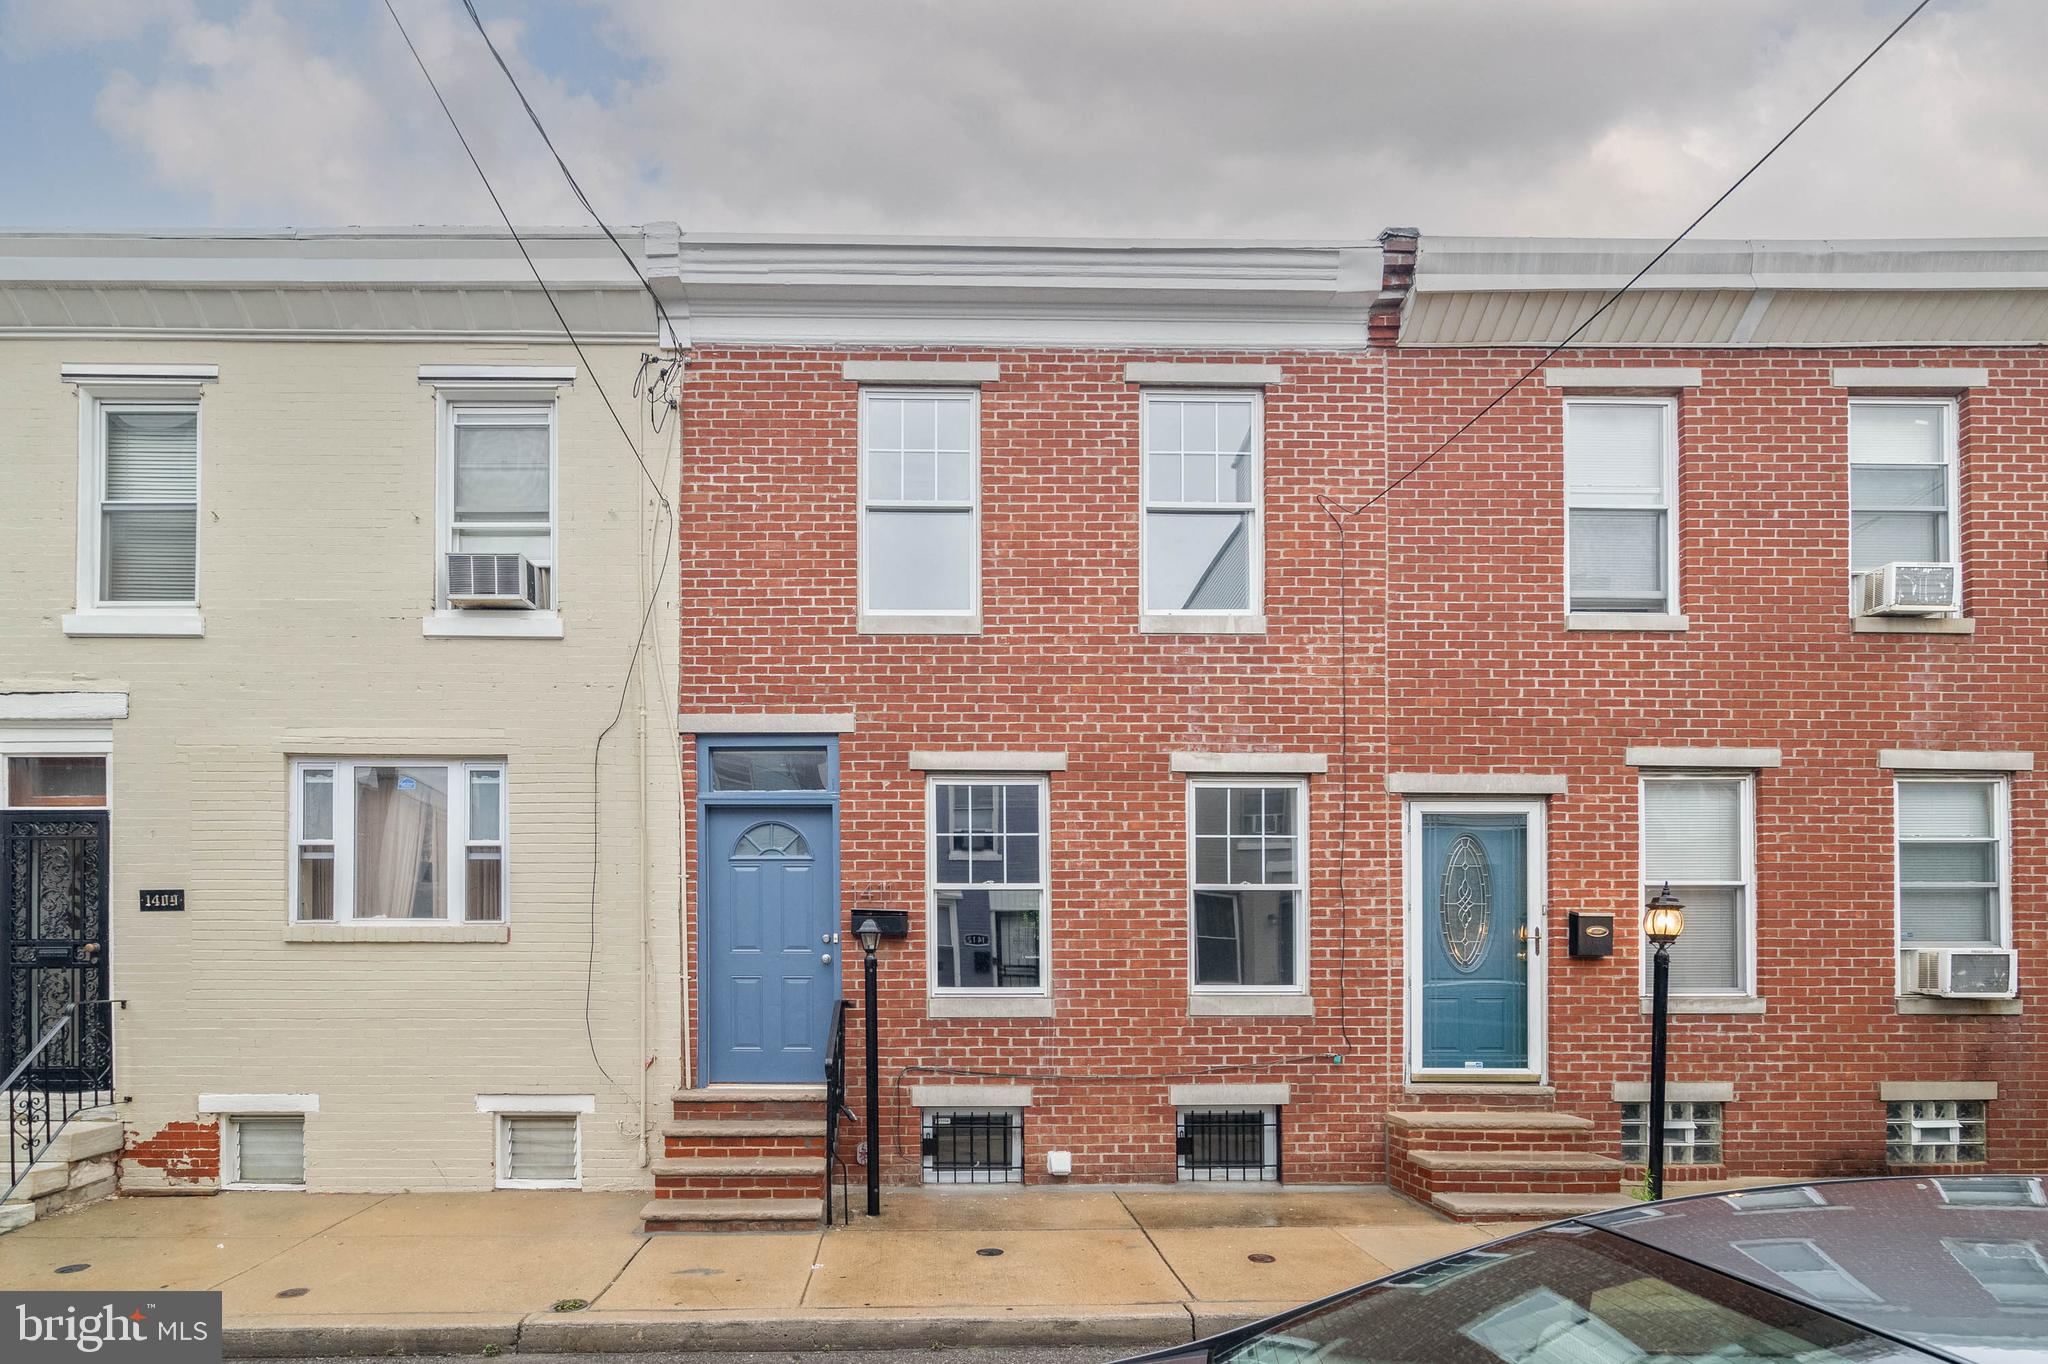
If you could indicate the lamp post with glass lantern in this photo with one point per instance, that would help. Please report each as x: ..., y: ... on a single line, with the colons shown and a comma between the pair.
x: 870, y: 935
x: 1663, y: 921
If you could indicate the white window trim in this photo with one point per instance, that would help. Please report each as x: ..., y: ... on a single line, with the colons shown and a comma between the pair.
x: 231, y: 1150
x: 932, y: 784
x: 1659, y: 617
x: 1252, y: 618
x: 1951, y: 449
x: 1747, y: 884
x: 502, y: 1131
x: 1300, y: 886
x: 445, y: 621
x: 932, y: 1174
x: 1269, y: 1143
x: 171, y: 387
x: 457, y: 850
x: 2001, y: 831
x: 877, y: 620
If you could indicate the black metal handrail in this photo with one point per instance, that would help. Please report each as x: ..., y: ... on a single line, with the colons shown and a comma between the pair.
x: 35, y: 1108
x: 835, y: 1106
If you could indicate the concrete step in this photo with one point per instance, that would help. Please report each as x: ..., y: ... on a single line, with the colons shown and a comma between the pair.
x: 730, y: 1167
x: 82, y: 1140
x: 742, y: 1094
x: 739, y: 1128
x: 740, y: 1137
x: 1516, y: 1162
x: 733, y: 1214
x: 14, y: 1216
x: 41, y: 1179
x: 1523, y: 1207
x: 1487, y: 1120
x: 720, y: 1178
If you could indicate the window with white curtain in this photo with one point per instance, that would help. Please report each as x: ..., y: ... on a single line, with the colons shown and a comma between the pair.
x: 1621, y: 524
x: 1951, y: 863
x: 1697, y: 838
x: 1202, y: 553
x: 1902, y: 482
x: 415, y: 841
x: 920, y: 519
x: 499, y: 488
x: 148, y: 496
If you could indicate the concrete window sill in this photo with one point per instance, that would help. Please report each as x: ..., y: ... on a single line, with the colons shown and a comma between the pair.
x: 871, y: 624
x: 1913, y: 625
x: 988, y: 1006
x: 1251, y: 1006
x: 398, y: 932
x: 177, y: 624
x: 492, y: 625
x: 1929, y: 1005
x: 1711, y: 1004
x: 1624, y: 621
x: 1195, y: 623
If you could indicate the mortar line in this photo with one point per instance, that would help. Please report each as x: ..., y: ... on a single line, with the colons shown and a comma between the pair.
x: 309, y: 1236
x: 1188, y: 1293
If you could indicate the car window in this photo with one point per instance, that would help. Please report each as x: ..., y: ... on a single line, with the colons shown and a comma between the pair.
x: 1564, y: 1296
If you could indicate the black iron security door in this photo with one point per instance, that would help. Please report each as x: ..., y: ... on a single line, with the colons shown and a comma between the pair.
x: 53, y: 941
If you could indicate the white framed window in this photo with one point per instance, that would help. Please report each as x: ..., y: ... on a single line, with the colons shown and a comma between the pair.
x: 920, y: 526
x: 1248, y: 886
x: 1621, y: 504
x: 264, y: 1151
x: 1953, y: 881
x: 1992, y: 1191
x: 1227, y: 1145
x: 143, y: 550
x: 540, y: 1151
x: 1903, y: 484
x: 973, y: 1146
x: 398, y: 840
x: 1692, y: 1133
x: 1202, y: 542
x: 498, y: 484
x: 1799, y: 1198
x: 53, y: 781
x: 2012, y: 1272
x: 1935, y: 1131
x: 1699, y: 837
x: 987, y: 884
x: 1808, y: 1268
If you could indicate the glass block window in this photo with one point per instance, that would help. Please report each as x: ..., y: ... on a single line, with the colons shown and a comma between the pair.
x: 983, y: 1146
x: 1692, y: 1134
x: 1934, y: 1131
x: 1228, y: 1144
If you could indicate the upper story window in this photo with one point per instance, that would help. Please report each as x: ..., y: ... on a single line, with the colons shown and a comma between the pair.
x: 1698, y: 837
x: 1902, y: 483
x: 988, y: 884
x: 1621, y: 520
x: 498, y: 489
x: 419, y: 841
x: 1248, y: 875
x: 145, y: 490
x: 920, y: 513
x: 1202, y: 551
x: 1952, y: 862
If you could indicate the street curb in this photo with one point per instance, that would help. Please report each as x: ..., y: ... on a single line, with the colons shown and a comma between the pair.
x: 423, y: 1334
x: 855, y: 1328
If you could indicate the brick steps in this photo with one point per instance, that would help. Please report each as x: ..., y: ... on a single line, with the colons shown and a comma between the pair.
x: 741, y: 1158
x: 1502, y: 1162
x: 1525, y: 1207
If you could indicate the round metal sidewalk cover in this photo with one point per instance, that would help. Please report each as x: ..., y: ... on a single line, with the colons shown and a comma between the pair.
x: 293, y: 1292
x: 988, y: 1250
x: 71, y: 1269
x: 1261, y: 1258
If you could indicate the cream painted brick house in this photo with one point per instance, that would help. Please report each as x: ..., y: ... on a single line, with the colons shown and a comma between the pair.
x: 415, y: 906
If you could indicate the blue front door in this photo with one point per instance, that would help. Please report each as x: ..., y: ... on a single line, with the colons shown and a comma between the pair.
x: 1475, y: 947
x: 771, y: 965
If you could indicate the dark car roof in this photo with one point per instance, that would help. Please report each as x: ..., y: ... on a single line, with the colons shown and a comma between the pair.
x: 1955, y: 1263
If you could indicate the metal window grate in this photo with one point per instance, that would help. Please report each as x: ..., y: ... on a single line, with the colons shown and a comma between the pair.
x: 1934, y: 1131
x: 973, y: 1147
x: 1692, y: 1134
x: 1228, y: 1144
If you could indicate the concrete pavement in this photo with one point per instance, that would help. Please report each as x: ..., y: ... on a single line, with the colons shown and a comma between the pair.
x: 1122, y: 1270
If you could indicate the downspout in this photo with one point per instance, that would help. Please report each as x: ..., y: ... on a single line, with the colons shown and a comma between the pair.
x: 645, y: 538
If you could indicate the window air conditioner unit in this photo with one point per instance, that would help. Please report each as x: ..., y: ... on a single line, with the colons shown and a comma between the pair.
x: 1910, y: 590
x: 504, y: 582
x: 1964, y: 972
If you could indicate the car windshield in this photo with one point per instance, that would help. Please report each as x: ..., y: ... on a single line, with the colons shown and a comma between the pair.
x: 1568, y: 1295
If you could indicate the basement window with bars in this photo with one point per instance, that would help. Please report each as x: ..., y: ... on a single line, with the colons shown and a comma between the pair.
x: 1228, y: 1144
x: 1934, y: 1131
x: 1692, y: 1134
x: 266, y: 1153
x: 973, y: 1146
x: 539, y: 1151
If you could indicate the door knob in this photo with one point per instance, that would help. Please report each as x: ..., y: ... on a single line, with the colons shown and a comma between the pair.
x: 825, y: 957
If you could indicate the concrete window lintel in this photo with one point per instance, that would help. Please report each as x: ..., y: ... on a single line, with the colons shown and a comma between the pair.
x: 1227, y: 1096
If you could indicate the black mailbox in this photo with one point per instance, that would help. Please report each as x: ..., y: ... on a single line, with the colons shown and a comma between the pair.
x: 1589, y: 935
x: 894, y: 923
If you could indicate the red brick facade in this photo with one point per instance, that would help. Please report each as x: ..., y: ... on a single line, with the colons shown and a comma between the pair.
x: 1453, y: 637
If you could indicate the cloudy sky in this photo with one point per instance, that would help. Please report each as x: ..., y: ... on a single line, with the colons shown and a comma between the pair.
x: 1291, y: 118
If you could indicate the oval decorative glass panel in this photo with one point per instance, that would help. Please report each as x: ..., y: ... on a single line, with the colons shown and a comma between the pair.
x: 771, y: 840
x: 1465, y: 902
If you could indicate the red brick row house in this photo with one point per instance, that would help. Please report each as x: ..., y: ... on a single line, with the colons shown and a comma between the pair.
x: 1250, y: 768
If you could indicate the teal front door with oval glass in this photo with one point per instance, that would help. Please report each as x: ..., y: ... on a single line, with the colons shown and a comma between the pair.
x: 771, y: 950
x: 1474, y: 940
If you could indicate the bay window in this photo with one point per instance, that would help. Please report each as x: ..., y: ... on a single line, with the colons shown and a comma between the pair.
x: 381, y: 841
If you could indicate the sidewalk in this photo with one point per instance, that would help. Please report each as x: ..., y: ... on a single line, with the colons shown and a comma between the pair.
x: 314, y: 1274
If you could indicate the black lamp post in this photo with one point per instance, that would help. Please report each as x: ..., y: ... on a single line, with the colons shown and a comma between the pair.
x: 1663, y: 921
x: 870, y: 935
